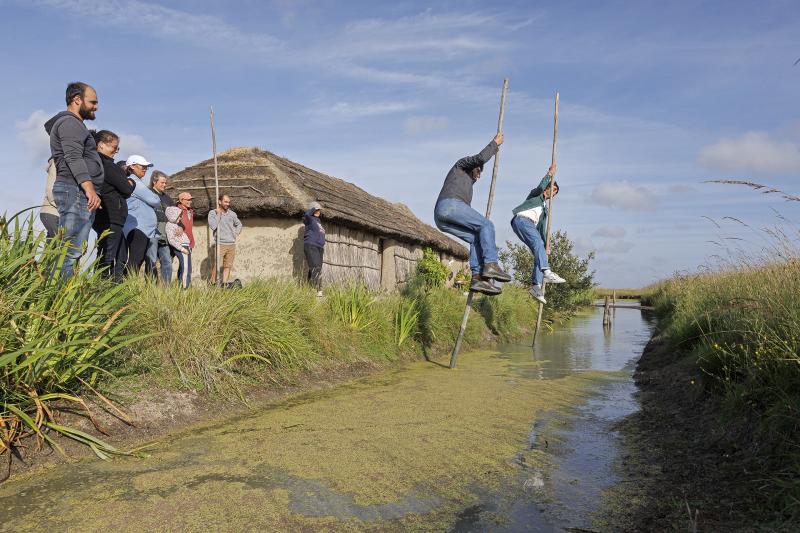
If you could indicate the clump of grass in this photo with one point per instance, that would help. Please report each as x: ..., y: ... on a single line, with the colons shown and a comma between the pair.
x: 351, y: 305
x: 212, y: 337
x: 57, y: 338
x: 406, y: 318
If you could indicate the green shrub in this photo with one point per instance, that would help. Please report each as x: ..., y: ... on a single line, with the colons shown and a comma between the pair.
x: 431, y: 269
x: 566, y: 297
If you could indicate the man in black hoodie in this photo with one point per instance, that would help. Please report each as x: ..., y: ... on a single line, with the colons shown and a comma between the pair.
x: 454, y: 215
x: 79, y: 170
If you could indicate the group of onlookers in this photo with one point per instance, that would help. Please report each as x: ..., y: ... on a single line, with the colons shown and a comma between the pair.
x: 137, y: 223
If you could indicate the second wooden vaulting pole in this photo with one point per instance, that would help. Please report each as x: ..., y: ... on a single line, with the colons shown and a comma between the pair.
x: 465, y: 318
x: 217, y: 274
x: 549, y: 217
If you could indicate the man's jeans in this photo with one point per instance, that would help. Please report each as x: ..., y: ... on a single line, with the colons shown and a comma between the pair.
x: 528, y: 233
x: 75, y: 219
x: 161, y: 253
x: 457, y: 218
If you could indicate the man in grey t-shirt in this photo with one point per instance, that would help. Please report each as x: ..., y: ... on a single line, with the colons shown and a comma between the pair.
x: 223, y: 222
x: 79, y: 170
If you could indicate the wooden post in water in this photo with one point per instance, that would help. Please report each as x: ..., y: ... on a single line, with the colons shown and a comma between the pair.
x: 614, y: 304
x: 217, y: 269
x: 606, y: 314
x: 465, y: 318
x: 549, y: 217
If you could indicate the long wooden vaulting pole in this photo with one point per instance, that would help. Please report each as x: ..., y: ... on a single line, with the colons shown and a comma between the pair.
x: 549, y: 216
x: 465, y: 318
x: 217, y: 268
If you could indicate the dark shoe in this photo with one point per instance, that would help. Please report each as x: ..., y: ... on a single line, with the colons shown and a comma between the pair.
x: 484, y: 286
x: 493, y: 271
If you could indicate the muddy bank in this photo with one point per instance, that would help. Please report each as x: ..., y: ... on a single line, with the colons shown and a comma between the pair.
x: 685, y: 467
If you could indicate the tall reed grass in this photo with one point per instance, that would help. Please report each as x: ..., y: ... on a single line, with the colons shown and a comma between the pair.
x: 742, y: 327
x: 57, y: 337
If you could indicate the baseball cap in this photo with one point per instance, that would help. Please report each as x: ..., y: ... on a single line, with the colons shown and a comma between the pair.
x: 138, y: 160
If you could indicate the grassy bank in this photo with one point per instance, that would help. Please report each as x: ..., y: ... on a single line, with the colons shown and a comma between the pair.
x: 622, y: 294
x: 64, y: 342
x: 740, y: 328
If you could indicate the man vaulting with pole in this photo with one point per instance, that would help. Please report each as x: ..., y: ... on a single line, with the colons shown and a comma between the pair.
x: 454, y: 215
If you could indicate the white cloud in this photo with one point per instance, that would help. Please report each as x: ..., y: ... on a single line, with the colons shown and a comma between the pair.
x: 681, y: 189
x: 130, y: 144
x: 440, y: 36
x: 425, y: 124
x: 36, y: 143
x: 167, y: 23
x: 754, y: 153
x: 33, y: 138
x: 616, y: 247
x: 612, y: 232
x: 624, y: 195
x: 350, y: 111
x: 583, y: 246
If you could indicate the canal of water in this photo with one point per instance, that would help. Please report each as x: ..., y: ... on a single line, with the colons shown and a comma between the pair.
x: 512, y: 440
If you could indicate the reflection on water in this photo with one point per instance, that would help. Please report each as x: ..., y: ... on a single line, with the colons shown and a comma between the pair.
x: 584, y: 345
x: 582, y: 448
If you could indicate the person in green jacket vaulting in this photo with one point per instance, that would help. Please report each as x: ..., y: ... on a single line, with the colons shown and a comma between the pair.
x: 530, y: 225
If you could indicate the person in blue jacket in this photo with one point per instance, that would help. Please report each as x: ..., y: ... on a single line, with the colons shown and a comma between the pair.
x: 314, y: 244
x: 141, y: 222
x: 530, y: 225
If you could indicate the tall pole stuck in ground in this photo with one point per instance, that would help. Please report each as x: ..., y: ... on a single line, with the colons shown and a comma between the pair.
x: 465, y: 318
x: 549, y: 217
x: 217, y: 275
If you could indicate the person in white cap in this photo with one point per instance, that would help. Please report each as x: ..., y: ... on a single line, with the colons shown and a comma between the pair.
x: 140, y: 224
x: 314, y: 244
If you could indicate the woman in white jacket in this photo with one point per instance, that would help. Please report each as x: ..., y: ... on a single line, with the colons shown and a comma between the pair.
x: 140, y: 225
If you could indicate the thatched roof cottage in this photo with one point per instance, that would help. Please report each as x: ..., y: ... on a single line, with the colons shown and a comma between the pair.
x: 369, y: 238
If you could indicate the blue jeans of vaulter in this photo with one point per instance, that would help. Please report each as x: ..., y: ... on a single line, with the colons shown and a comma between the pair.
x: 75, y: 219
x: 457, y: 218
x: 528, y: 233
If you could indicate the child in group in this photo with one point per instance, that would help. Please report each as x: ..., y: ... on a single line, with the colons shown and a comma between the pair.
x: 178, y: 239
x: 530, y: 225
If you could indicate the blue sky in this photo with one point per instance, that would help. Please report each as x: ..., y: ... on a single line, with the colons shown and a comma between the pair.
x: 656, y: 97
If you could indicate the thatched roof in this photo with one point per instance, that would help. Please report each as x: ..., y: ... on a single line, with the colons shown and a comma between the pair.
x: 261, y: 183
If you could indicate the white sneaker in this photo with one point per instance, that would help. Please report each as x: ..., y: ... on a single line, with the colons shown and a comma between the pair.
x: 536, y: 292
x: 319, y: 294
x: 552, y: 277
